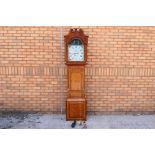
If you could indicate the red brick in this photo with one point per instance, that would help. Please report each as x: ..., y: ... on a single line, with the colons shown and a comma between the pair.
x: 120, y: 72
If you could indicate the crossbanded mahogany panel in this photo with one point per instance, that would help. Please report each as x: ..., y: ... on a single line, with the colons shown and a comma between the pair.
x: 76, y: 81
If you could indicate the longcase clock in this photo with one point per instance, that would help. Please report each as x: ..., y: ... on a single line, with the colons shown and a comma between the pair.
x: 76, y: 57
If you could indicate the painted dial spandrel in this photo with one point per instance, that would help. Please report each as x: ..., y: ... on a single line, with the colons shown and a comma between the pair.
x: 75, y: 53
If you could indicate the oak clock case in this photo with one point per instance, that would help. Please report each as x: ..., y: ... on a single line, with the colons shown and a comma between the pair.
x: 76, y: 56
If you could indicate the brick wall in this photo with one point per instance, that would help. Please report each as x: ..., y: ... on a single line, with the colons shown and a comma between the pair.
x: 120, y: 74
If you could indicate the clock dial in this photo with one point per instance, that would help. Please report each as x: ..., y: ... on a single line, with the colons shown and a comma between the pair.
x: 76, y: 51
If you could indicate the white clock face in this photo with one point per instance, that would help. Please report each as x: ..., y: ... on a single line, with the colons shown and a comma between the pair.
x: 75, y: 53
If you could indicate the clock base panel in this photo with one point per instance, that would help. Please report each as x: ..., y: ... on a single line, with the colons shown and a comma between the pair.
x: 76, y: 109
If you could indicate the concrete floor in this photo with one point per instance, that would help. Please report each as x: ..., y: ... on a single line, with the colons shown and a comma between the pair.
x: 53, y: 121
